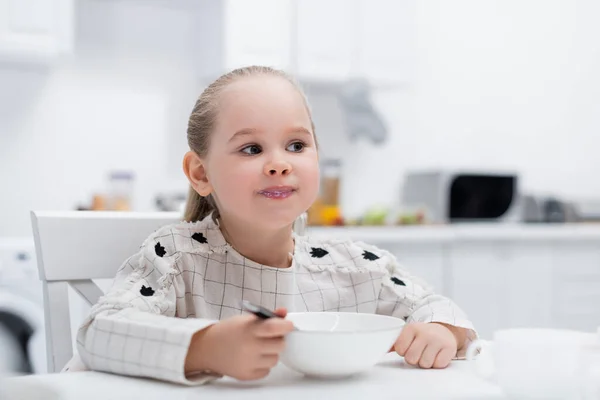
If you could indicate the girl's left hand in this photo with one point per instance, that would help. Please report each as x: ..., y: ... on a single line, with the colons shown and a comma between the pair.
x: 427, y: 344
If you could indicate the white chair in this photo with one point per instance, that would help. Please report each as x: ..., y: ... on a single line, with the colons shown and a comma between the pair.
x: 72, y: 249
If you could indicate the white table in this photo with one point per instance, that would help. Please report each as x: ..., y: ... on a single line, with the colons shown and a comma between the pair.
x: 390, y: 379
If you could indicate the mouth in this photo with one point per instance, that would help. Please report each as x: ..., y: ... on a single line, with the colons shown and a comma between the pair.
x: 278, y: 192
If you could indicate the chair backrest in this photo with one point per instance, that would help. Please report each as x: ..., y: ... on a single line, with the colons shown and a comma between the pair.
x: 75, y: 247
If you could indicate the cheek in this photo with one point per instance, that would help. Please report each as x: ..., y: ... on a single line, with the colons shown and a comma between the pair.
x: 308, y: 171
x: 231, y: 179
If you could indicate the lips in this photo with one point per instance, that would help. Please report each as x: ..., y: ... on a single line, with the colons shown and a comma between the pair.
x: 279, y: 192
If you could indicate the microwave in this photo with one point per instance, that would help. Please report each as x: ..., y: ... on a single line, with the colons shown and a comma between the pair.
x: 450, y: 196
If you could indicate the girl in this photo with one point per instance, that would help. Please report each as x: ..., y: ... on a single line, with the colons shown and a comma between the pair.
x: 173, y: 312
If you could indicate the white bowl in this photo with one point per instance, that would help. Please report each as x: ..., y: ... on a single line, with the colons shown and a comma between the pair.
x: 338, y: 344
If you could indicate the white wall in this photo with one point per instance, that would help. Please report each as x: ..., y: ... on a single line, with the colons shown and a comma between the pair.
x: 513, y: 85
x: 499, y: 85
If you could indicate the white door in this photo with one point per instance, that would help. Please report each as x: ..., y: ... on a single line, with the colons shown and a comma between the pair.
x: 576, y: 284
x: 478, y: 284
x: 527, y: 273
x: 503, y: 284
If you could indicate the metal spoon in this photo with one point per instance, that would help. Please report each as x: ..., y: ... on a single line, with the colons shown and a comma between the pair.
x: 259, y: 311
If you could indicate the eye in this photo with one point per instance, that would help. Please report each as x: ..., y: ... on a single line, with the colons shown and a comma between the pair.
x: 251, y: 149
x: 296, y: 147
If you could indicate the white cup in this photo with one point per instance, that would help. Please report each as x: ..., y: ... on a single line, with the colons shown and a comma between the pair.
x: 532, y: 363
x: 589, y: 371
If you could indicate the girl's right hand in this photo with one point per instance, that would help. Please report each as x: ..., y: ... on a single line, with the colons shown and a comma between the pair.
x: 244, y: 347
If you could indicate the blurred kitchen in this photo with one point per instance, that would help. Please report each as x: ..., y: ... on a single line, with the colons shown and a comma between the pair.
x: 432, y: 113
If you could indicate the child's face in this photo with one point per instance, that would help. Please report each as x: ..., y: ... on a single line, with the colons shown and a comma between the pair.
x: 262, y: 161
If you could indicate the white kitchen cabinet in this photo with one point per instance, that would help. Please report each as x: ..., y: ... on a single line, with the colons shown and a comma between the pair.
x: 478, y: 284
x: 364, y: 39
x: 576, y: 284
x: 327, y: 39
x: 35, y: 30
x: 503, y: 284
x: 258, y: 32
x: 316, y: 40
x: 386, y: 38
x: 528, y: 291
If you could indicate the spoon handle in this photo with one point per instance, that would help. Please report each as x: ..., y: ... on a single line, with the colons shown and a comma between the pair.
x: 259, y: 311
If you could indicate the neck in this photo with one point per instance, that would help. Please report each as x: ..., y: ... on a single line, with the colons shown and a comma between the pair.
x: 267, y: 247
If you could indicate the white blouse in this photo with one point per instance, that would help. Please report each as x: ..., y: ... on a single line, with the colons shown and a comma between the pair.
x: 186, y: 277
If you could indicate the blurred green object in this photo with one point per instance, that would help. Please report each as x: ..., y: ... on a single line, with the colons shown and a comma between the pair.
x: 411, y: 218
x: 375, y: 216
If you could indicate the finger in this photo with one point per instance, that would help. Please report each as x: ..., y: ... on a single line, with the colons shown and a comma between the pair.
x: 268, y: 360
x: 281, y: 311
x: 262, y: 373
x: 406, y: 338
x: 413, y: 354
x: 274, y: 327
x: 443, y: 358
x: 429, y: 355
x: 272, y: 345
x: 258, y: 373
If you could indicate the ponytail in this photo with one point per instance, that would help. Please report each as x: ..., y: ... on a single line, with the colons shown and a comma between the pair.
x: 199, y: 207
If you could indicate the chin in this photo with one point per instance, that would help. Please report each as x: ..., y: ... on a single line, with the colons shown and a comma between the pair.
x: 276, y: 220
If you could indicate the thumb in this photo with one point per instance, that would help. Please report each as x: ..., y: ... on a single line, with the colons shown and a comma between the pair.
x: 281, y: 311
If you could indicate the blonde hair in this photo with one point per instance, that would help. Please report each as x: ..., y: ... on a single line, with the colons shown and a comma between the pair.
x: 201, y: 124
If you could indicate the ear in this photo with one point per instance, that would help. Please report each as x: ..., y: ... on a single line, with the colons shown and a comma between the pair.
x: 194, y: 169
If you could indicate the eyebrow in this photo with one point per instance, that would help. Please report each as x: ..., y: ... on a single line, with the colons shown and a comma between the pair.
x: 250, y: 131
x: 242, y: 132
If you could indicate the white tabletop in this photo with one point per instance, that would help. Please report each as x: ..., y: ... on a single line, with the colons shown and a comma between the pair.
x: 390, y: 379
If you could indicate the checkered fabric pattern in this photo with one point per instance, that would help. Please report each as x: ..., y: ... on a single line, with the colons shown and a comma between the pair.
x: 186, y: 277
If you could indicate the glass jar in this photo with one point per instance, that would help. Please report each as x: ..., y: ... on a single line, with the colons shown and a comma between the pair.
x: 330, y: 182
x: 326, y: 208
x: 120, y: 190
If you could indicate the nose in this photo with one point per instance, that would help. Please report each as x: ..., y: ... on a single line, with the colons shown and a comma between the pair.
x: 277, y: 167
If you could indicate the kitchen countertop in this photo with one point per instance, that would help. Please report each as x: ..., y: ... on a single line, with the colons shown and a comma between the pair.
x: 462, y: 232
